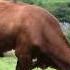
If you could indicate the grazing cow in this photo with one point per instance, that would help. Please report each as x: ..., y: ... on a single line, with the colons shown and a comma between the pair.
x: 34, y: 33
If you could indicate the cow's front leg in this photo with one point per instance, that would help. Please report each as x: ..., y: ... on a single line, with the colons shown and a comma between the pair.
x: 24, y: 59
x: 23, y: 63
x: 1, y: 55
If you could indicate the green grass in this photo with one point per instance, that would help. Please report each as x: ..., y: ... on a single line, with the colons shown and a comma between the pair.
x: 9, y: 63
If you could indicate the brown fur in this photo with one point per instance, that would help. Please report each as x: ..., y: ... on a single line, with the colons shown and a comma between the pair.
x: 28, y: 29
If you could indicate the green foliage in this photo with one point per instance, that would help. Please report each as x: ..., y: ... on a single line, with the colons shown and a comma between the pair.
x: 63, y: 12
x: 41, y: 3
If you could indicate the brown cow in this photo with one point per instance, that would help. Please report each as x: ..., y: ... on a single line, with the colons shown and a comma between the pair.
x: 28, y: 29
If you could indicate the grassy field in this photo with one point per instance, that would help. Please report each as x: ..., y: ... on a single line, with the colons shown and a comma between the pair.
x: 9, y: 63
